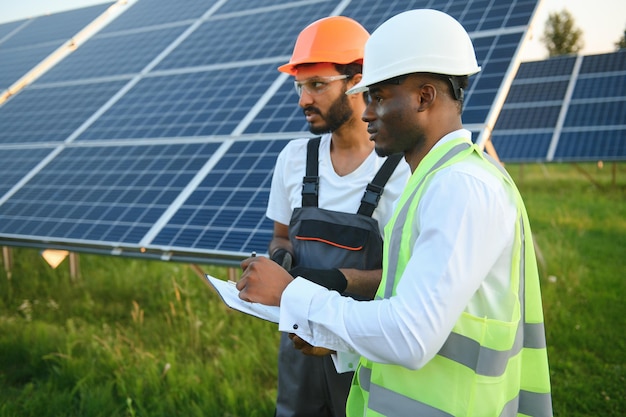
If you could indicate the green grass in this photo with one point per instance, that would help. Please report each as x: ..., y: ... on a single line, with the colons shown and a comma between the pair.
x: 131, y: 338
x: 580, y: 228
x: 134, y: 337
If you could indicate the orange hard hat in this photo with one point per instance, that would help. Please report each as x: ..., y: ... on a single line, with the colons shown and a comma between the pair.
x: 335, y: 39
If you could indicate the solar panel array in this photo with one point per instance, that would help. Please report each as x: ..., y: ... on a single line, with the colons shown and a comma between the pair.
x: 565, y: 109
x: 158, y: 136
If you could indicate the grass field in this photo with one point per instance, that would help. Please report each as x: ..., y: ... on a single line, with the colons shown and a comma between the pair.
x: 146, y: 338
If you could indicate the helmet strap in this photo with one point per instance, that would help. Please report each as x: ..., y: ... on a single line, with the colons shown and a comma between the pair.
x: 456, y: 88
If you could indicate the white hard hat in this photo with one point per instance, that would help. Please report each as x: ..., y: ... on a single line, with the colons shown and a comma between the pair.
x: 421, y: 40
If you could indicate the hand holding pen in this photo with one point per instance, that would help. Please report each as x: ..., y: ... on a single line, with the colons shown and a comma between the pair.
x: 262, y: 281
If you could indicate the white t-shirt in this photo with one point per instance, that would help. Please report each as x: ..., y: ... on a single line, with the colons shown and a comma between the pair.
x: 337, y: 193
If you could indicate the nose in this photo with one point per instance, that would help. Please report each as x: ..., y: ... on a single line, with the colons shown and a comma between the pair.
x: 305, y: 99
x: 368, y: 114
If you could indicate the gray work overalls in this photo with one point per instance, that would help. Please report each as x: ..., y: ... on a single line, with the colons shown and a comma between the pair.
x: 309, y: 386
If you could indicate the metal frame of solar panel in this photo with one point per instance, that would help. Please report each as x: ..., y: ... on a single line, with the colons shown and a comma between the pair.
x: 157, y: 137
x: 565, y: 109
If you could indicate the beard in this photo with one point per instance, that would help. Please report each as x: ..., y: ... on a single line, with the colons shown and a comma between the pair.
x: 338, y: 114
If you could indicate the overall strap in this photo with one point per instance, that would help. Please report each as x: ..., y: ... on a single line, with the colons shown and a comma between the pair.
x: 375, y: 188
x: 311, y: 180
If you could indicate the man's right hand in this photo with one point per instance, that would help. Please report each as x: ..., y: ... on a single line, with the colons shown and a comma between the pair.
x: 262, y: 281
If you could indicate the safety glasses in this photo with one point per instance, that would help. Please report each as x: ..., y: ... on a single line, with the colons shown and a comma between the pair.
x: 317, y: 85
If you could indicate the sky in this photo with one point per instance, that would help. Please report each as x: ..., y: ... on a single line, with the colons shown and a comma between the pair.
x: 602, y: 21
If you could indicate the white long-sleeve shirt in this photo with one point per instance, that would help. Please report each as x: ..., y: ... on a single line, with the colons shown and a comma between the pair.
x: 461, y: 260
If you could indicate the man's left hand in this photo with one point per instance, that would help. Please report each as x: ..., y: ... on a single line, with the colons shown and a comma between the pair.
x: 307, y: 348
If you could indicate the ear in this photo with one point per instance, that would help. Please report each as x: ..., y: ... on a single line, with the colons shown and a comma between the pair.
x: 426, y: 95
x: 355, y: 79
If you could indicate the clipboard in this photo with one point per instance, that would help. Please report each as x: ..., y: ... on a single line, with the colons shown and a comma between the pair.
x: 230, y: 296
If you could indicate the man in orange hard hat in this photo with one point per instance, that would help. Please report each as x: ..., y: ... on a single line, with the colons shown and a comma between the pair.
x: 327, y: 205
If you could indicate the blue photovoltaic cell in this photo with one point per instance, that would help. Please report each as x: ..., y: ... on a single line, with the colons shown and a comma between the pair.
x: 236, y: 6
x: 599, y: 114
x: 475, y: 15
x: 537, y: 92
x: 103, y: 194
x: 372, y: 14
x: 522, y: 147
x: 604, y: 63
x: 6, y: 29
x: 239, y: 40
x: 227, y: 210
x: 146, y: 13
x: 281, y: 113
x: 51, y: 114
x: 494, y: 55
x: 24, y: 44
x: 520, y: 14
x: 193, y: 104
x: 59, y: 27
x: 591, y: 145
x: 534, y: 117
x: 102, y: 55
x: 15, y: 63
x: 554, y: 67
x: 607, y: 86
x: 15, y: 163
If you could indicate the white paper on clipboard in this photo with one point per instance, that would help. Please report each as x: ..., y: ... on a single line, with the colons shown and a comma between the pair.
x: 230, y: 295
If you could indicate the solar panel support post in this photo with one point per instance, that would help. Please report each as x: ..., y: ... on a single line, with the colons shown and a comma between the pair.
x: 7, y: 259
x: 198, y: 270
x: 232, y: 274
x: 491, y: 150
x: 74, y: 266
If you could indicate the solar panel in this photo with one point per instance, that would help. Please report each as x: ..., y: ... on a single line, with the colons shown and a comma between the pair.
x: 569, y: 108
x: 107, y: 195
x: 158, y: 136
x: 25, y: 43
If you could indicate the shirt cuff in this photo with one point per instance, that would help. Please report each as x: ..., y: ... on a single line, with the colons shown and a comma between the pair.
x: 345, y: 361
x: 294, y: 307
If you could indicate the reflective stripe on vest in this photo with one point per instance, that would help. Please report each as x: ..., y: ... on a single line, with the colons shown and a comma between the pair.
x: 394, y: 404
x: 527, y: 344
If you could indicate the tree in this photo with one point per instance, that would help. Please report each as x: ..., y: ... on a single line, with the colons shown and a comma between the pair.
x: 561, y: 36
x: 621, y: 44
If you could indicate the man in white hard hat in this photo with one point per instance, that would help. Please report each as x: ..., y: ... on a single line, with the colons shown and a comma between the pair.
x: 456, y: 328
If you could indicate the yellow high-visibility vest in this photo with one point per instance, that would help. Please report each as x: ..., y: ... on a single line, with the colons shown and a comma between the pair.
x: 486, y: 367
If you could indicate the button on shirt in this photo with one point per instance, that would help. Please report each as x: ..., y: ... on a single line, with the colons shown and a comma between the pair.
x: 461, y: 261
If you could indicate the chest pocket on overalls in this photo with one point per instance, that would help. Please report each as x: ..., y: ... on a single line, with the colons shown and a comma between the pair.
x: 329, y: 239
